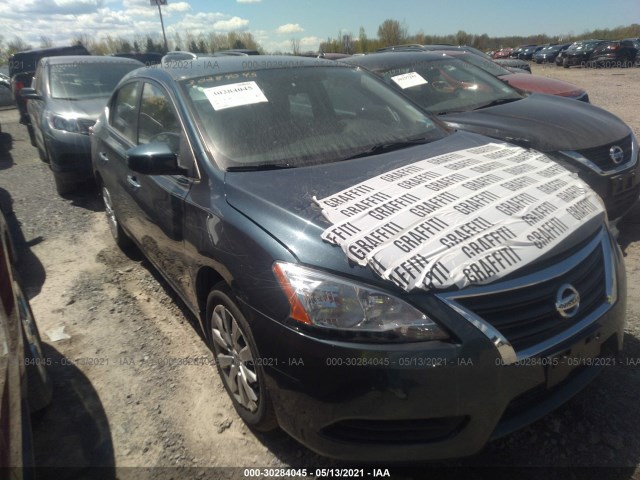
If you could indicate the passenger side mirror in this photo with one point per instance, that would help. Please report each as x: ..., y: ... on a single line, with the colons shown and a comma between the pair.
x: 30, y: 94
x: 154, y: 159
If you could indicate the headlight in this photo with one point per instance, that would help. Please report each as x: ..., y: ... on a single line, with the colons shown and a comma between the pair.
x: 331, y: 302
x: 69, y: 124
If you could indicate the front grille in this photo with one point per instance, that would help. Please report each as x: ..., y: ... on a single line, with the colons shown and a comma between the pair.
x: 601, y: 157
x: 527, y: 316
x: 395, y: 431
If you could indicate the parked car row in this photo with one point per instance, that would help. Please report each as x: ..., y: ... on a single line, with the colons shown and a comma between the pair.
x: 589, y: 53
x: 385, y: 253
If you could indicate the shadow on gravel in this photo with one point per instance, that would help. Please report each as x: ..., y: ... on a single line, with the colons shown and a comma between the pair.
x: 6, y: 145
x: 32, y: 273
x: 86, y: 197
x: 72, y: 440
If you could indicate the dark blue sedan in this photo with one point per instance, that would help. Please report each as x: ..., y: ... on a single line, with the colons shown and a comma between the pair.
x: 380, y: 287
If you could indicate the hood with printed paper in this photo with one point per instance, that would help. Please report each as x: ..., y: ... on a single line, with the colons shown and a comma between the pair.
x: 453, y: 213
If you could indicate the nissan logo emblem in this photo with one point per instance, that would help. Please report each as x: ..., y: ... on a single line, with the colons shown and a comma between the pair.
x: 567, y: 301
x: 616, y: 154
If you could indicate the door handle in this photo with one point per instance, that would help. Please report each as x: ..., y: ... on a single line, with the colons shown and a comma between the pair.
x: 103, y: 157
x: 133, y: 182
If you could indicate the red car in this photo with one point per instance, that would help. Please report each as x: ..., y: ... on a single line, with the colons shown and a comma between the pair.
x: 503, y: 53
x: 25, y: 385
x: 523, y: 81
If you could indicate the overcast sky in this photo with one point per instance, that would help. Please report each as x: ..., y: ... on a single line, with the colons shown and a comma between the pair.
x: 275, y: 22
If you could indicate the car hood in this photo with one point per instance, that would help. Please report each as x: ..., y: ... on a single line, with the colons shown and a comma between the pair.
x: 544, y: 122
x: 89, y: 108
x: 538, y: 84
x: 282, y: 202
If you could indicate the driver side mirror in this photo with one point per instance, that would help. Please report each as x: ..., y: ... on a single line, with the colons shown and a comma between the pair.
x: 154, y: 159
x: 30, y: 94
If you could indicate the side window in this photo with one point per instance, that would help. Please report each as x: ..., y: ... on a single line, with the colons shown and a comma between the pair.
x: 158, y: 121
x: 122, y: 114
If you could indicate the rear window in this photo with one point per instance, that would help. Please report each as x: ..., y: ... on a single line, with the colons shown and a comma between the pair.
x: 22, y: 62
x: 78, y: 80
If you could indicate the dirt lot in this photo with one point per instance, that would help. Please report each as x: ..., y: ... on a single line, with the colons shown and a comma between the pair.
x: 132, y: 384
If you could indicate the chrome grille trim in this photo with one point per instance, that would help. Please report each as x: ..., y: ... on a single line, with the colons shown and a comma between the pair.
x: 632, y: 161
x: 508, y: 354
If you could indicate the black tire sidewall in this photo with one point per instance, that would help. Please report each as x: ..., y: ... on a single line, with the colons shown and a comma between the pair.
x: 263, y: 418
x: 122, y: 239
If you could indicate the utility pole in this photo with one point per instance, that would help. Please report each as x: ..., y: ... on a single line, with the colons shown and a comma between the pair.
x: 164, y: 36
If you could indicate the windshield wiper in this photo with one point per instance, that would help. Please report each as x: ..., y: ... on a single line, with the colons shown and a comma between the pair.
x: 388, y: 147
x: 259, y: 166
x: 500, y: 101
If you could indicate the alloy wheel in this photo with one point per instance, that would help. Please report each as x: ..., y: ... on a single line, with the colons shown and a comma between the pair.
x: 235, y: 358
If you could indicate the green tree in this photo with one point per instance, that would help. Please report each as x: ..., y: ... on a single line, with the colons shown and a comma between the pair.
x: 391, y: 32
x: 363, y: 41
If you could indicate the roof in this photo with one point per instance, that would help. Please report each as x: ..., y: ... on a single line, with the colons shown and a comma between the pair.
x: 198, y: 67
x: 390, y: 60
x: 81, y: 59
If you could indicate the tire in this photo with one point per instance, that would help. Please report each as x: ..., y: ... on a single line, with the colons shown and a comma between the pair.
x: 63, y: 185
x: 32, y: 135
x: 43, y: 155
x: 242, y: 377
x: 39, y: 386
x: 119, y: 235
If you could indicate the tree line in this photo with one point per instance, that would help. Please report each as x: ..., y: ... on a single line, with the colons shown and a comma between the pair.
x: 390, y: 32
x: 202, y: 43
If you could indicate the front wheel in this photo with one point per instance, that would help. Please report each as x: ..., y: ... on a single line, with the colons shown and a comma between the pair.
x: 235, y: 354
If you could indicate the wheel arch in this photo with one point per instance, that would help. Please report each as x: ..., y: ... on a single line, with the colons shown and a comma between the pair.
x: 206, y: 278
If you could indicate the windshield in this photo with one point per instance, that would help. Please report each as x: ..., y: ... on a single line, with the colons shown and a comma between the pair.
x: 584, y: 45
x: 293, y: 117
x: 80, y: 80
x: 449, y: 85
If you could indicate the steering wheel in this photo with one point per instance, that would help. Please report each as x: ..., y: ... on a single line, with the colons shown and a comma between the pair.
x: 169, y: 138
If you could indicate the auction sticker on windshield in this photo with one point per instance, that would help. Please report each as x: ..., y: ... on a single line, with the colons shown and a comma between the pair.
x: 234, y: 95
x: 408, y: 80
x: 468, y: 217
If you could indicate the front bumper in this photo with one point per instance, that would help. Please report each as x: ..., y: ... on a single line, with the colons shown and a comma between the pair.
x: 426, y: 401
x: 69, y: 153
x: 618, y: 186
x: 579, y: 59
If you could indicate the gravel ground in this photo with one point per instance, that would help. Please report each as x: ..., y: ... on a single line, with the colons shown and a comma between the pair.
x: 135, y: 396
